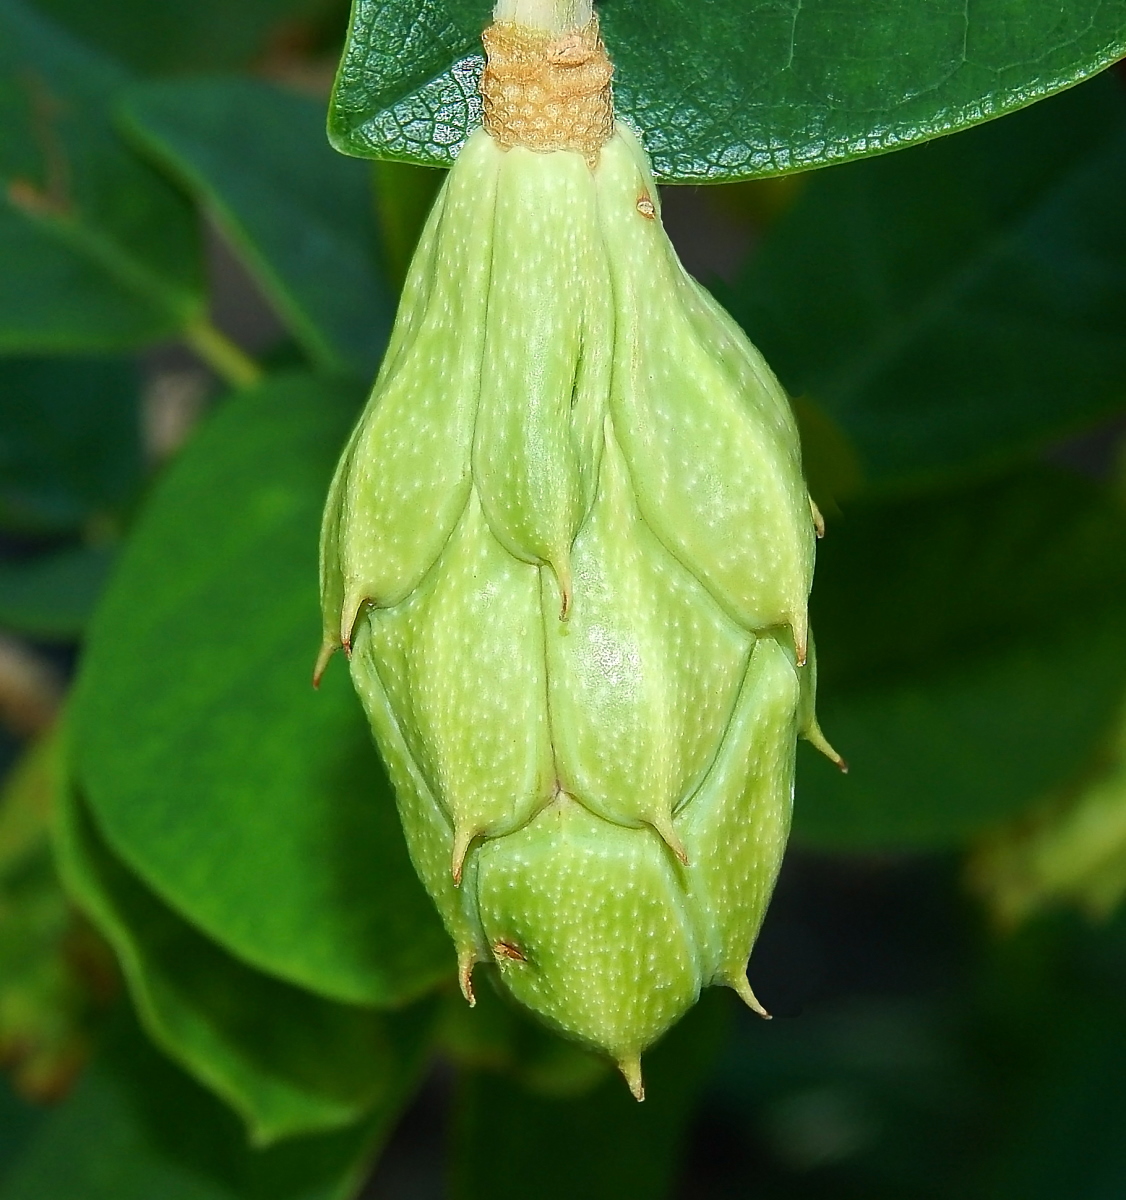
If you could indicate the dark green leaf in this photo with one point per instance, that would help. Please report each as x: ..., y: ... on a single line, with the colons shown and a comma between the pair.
x: 302, y: 216
x: 971, y: 653
x: 511, y: 1143
x: 99, y: 251
x: 732, y: 90
x: 52, y: 596
x: 162, y: 35
x: 137, y: 1128
x: 287, y: 1061
x: 70, y: 441
x: 254, y: 806
x: 956, y: 305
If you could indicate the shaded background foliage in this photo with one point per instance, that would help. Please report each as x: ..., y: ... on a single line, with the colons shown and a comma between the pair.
x: 219, y: 978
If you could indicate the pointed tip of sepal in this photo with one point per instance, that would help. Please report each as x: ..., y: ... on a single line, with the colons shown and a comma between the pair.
x: 799, y: 627
x: 819, y: 741
x: 630, y: 1067
x: 354, y: 603
x: 561, y: 566
x: 463, y: 838
x: 668, y: 835
x: 466, y: 960
x: 328, y: 649
x: 743, y: 990
x: 818, y: 519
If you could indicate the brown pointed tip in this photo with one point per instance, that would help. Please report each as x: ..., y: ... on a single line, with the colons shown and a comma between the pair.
x: 668, y: 835
x: 799, y: 626
x: 743, y: 990
x: 818, y: 519
x: 465, y: 962
x: 349, y: 615
x: 328, y: 649
x: 630, y: 1067
x: 818, y: 741
x: 462, y: 839
x: 562, y: 569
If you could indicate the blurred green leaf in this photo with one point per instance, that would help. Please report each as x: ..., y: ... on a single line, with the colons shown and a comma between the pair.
x: 200, y: 742
x: 510, y: 1143
x: 99, y: 251
x: 52, y: 596
x: 163, y: 35
x: 955, y: 306
x: 729, y: 91
x: 70, y: 441
x: 970, y: 657
x: 287, y: 1061
x: 302, y: 216
x: 404, y: 194
x: 55, y: 974
x: 137, y: 1128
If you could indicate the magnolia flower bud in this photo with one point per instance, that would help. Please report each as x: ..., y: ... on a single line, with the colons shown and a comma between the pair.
x: 569, y: 550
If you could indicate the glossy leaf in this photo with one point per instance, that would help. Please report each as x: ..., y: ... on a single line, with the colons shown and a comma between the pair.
x: 70, y: 441
x: 137, y: 1128
x: 200, y: 742
x: 955, y: 306
x: 99, y: 250
x: 600, y: 1143
x: 287, y: 1061
x: 52, y: 596
x: 163, y: 35
x: 302, y: 217
x: 970, y: 658
x: 729, y: 91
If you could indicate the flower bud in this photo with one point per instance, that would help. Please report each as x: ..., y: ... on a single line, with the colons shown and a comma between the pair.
x: 569, y: 550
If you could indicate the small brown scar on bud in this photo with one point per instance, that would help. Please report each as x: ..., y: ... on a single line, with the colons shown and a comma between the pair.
x: 509, y: 951
x: 646, y: 207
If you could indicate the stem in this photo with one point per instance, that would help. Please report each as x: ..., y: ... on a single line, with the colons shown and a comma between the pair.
x: 230, y: 362
x: 553, y: 16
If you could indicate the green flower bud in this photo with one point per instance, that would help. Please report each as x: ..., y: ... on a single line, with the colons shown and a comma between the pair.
x: 569, y: 550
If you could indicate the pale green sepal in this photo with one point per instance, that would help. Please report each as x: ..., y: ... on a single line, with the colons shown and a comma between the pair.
x: 418, y: 286
x: 588, y: 927
x: 408, y: 478
x: 546, y: 368
x: 331, y: 570
x: 645, y: 672
x: 462, y: 661
x: 429, y: 832
x: 716, y: 474
x: 735, y: 827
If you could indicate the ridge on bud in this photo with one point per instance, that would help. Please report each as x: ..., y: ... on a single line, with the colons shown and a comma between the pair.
x: 569, y: 550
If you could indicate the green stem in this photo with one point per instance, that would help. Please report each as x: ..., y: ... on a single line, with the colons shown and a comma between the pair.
x: 230, y: 362
x: 554, y: 16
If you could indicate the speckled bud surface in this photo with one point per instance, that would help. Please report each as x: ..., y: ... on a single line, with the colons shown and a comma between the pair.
x: 569, y: 550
